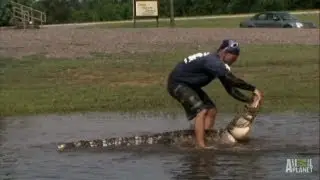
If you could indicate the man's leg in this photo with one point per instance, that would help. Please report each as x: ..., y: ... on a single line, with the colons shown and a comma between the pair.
x: 210, y: 118
x: 211, y: 112
x: 194, y: 108
x: 200, y: 127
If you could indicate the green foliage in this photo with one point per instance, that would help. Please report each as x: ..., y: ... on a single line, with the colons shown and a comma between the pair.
x: 5, y: 13
x: 65, y: 11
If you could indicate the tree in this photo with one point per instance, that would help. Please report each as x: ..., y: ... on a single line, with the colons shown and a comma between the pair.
x: 5, y: 13
x: 66, y: 11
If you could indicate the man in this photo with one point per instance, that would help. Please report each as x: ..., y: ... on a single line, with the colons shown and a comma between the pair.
x: 198, y: 70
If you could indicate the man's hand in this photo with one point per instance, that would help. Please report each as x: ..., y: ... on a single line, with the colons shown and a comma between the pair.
x: 257, y: 98
x: 258, y: 93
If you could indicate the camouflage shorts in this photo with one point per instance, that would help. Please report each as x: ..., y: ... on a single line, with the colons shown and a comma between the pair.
x: 192, y: 100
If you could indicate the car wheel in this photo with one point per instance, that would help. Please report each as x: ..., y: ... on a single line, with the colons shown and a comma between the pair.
x: 287, y: 26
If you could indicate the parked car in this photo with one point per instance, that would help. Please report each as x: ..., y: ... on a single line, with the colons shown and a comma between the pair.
x: 275, y: 19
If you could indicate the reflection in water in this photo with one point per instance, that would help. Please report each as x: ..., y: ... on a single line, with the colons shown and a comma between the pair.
x: 2, y: 130
x: 27, y: 149
x: 196, y: 166
x: 208, y: 165
x: 7, y: 156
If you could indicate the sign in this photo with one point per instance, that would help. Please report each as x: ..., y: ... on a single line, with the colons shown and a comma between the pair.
x: 146, y: 8
x: 299, y: 166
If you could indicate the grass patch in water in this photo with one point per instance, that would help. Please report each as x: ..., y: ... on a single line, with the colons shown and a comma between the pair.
x: 287, y: 74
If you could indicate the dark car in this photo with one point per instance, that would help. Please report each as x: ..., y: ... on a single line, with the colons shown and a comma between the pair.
x: 275, y: 19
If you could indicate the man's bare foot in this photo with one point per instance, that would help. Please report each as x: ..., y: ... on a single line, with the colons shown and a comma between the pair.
x: 210, y: 147
x: 204, y: 147
x: 200, y: 146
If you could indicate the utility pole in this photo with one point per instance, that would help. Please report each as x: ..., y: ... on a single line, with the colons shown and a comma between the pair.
x: 134, y: 13
x: 172, y: 23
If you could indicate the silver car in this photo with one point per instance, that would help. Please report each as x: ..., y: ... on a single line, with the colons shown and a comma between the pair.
x: 275, y: 19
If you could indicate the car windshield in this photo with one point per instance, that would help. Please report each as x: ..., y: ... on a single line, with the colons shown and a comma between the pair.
x: 287, y: 16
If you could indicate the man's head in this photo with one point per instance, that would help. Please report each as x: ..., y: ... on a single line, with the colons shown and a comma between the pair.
x: 229, y: 51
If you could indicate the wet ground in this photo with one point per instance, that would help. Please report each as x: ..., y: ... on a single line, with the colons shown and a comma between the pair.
x: 28, y: 149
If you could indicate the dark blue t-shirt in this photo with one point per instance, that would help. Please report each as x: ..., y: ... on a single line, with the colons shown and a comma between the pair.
x: 198, y: 70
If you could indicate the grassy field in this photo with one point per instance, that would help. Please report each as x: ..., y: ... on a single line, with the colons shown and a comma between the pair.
x: 287, y: 74
x: 203, y: 23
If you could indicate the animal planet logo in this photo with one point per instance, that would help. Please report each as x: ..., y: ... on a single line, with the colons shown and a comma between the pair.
x: 299, y: 166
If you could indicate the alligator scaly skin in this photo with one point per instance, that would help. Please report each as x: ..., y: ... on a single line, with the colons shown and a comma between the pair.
x: 168, y: 138
x: 246, y: 116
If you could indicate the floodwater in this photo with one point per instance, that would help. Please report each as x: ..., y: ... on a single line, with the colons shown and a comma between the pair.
x: 28, y: 149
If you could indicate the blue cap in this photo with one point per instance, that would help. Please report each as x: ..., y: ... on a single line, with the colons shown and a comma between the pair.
x: 231, y: 46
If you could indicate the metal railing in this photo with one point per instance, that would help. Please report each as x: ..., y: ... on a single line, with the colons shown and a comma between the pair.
x: 27, y: 15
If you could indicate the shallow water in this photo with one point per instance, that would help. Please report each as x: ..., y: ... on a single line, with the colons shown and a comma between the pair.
x: 28, y: 149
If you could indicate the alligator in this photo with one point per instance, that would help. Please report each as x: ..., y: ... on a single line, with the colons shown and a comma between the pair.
x: 237, y: 130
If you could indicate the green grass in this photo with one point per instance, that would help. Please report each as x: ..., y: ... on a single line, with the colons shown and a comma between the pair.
x: 287, y: 74
x: 201, y: 23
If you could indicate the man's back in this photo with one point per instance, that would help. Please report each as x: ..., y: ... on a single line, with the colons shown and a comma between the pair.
x: 198, y: 70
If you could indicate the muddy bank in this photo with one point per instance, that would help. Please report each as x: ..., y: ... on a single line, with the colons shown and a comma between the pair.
x: 70, y: 42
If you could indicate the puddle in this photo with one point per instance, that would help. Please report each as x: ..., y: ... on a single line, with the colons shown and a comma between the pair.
x: 28, y: 148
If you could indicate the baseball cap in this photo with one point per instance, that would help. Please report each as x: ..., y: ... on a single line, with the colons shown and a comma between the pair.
x: 231, y: 46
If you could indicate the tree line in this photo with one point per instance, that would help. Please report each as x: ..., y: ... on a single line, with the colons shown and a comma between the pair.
x: 68, y: 11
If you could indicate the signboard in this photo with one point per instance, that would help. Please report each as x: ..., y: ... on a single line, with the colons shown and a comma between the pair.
x: 143, y: 9
x: 147, y: 8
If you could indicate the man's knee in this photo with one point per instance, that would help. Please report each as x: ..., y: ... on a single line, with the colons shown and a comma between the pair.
x: 202, y: 112
x: 207, y: 112
x: 212, y: 112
